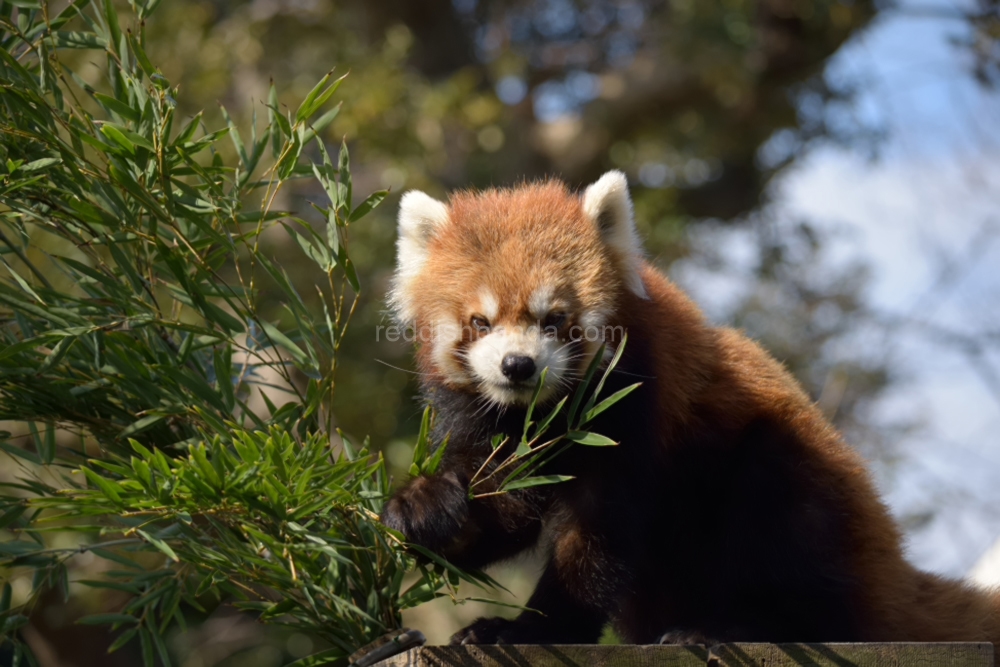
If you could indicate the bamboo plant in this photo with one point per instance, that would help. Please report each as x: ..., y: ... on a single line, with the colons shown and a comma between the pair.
x: 133, y: 350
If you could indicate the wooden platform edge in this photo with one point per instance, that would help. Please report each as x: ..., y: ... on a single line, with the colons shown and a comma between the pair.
x: 723, y: 655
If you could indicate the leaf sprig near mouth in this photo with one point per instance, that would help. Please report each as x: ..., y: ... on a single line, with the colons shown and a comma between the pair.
x: 517, y: 470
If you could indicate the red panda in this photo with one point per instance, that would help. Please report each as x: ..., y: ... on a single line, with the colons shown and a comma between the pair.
x: 730, y: 511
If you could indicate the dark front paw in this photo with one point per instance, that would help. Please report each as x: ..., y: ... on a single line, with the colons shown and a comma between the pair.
x: 488, y: 631
x: 686, y: 638
x: 429, y: 511
x: 531, y: 628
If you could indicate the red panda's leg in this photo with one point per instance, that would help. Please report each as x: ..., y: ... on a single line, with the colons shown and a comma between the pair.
x: 499, y: 528
x: 555, y: 616
x: 579, y: 589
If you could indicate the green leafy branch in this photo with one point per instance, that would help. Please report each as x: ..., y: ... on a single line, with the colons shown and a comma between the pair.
x: 533, y: 451
x: 125, y: 231
x: 283, y: 528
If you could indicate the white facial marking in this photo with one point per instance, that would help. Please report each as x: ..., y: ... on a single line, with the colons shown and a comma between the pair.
x: 488, y: 304
x: 592, y: 318
x: 591, y: 330
x: 486, y: 355
x: 445, y: 336
x: 540, y: 301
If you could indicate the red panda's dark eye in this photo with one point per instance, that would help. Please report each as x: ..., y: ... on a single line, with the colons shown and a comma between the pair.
x: 480, y: 324
x: 554, y: 320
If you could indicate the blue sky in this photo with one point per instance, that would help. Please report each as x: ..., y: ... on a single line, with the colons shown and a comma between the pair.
x: 925, y: 216
x: 928, y: 213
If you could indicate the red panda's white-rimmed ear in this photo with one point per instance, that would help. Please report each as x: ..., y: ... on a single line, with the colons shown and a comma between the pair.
x: 419, y: 217
x: 608, y: 204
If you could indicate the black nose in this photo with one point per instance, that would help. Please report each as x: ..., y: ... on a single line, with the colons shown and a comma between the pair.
x: 517, y: 368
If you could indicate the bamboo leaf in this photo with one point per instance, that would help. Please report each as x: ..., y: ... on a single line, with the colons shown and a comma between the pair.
x: 120, y: 108
x: 140, y: 425
x: 528, y: 482
x: 321, y: 123
x: 107, y: 487
x: 607, y: 372
x: 116, y: 135
x: 107, y: 619
x: 38, y: 165
x: 317, y: 97
x: 609, y: 401
x: 76, y: 40
x: 584, y: 384
x: 8, y: 518
x: 122, y: 639
x: 284, y: 341
x: 590, y: 439
x: 159, y: 544
x: 368, y: 205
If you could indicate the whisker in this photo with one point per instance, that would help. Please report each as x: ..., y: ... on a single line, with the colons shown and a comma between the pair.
x: 405, y: 370
x: 563, y: 347
x: 487, y: 404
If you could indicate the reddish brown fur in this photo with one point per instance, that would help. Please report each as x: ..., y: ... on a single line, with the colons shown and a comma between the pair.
x: 708, y: 385
x: 725, y: 378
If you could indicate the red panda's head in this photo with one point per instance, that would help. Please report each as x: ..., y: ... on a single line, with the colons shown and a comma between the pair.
x: 503, y: 283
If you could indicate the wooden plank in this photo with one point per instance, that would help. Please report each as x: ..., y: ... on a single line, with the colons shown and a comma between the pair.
x: 723, y: 655
x: 863, y: 655
x: 506, y: 655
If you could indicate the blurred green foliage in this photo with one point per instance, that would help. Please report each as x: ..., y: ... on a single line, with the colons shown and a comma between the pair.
x: 701, y: 103
x: 152, y: 242
x: 129, y: 319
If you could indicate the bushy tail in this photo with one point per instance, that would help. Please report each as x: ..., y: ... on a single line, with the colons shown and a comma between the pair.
x: 943, y: 610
